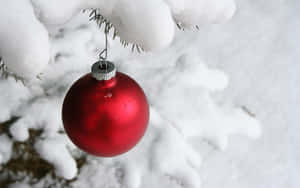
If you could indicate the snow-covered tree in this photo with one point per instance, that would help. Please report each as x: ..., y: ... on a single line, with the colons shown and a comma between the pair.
x: 149, y: 24
x: 55, y: 40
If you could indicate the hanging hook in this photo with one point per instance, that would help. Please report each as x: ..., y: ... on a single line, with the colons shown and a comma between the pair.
x: 103, y: 53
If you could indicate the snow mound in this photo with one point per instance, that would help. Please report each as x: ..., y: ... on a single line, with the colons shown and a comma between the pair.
x: 25, y: 46
x: 54, y: 150
x: 11, y: 103
x: 24, y: 40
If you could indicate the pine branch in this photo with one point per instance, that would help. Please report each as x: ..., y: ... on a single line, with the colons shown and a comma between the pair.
x: 245, y: 109
x: 4, y: 73
x: 179, y: 26
x: 102, y: 21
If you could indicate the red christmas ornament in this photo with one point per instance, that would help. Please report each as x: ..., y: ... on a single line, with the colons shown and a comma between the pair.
x: 105, y: 113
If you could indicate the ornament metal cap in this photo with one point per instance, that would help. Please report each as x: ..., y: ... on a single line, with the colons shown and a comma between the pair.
x: 103, y: 70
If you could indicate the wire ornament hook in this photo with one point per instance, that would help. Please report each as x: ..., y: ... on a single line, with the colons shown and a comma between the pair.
x: 103, y: 54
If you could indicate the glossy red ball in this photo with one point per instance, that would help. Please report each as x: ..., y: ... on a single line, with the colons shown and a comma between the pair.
x: 105, y: 118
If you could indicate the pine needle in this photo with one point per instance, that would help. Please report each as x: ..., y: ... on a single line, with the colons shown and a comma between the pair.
x: 4, y: 73
x: 101, y: 20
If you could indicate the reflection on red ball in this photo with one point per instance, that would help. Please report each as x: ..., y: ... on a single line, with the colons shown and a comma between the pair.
x: 105, y: 118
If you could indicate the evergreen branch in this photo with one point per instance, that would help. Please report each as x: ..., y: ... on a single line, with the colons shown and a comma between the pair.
x: 178, y: 26
x: 181, y: 27
x: 4, y: 73
x: 101, y: 20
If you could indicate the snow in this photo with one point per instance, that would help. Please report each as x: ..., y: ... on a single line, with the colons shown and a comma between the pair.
x: 24, y: 40
x: 45, y: 113
x: 144, y: 22
x: 96, y: 174
x: 54, y: 150
x: 149, y: 24
x: 19, y: 185
x: 196, y: 88
x: 189, y: 77
x: 192, y: 12
x: 183, y: 81
x: 5, y: 149
x: 11, y: 103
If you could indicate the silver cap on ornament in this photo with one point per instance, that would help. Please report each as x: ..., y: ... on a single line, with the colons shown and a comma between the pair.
x: 103, y: 70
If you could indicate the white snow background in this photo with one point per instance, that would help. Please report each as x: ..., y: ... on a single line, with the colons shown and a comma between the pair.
x: 196, y: 88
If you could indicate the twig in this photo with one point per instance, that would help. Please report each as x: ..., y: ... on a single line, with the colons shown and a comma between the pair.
x: 245, y: 109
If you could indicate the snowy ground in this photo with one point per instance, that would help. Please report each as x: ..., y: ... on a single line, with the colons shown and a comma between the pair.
x: 257, y: 50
